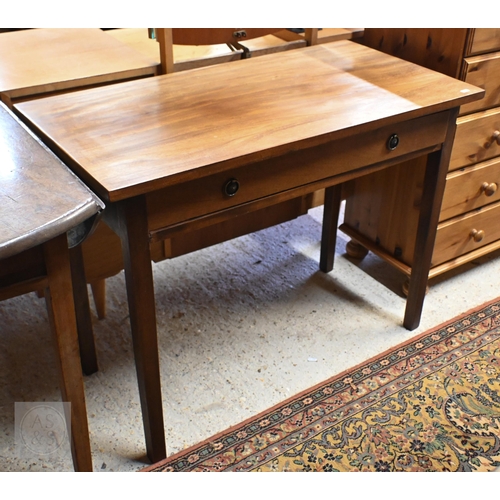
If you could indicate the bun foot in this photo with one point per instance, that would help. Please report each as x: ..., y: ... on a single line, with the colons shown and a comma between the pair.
x: 356, y: 250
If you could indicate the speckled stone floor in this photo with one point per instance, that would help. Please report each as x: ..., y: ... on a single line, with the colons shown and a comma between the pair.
x: 242, y: 326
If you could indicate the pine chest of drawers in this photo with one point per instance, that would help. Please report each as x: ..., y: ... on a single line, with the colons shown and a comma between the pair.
x: 377, y: 208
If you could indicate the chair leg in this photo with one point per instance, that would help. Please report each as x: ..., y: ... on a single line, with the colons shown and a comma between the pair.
x: 61, y: 312
x: 99, y: 293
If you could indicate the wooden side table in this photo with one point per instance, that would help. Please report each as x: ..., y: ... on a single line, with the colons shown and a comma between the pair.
x: 192, y: 149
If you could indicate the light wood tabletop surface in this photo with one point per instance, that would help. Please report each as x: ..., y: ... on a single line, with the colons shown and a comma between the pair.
x: 45, y: 60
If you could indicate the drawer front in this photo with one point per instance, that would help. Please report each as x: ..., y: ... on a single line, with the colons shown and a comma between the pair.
x: 206, y: 195
x: 485, y: 40
x: 476, y: 138
x: 483, y: 71
x: 466, y: 233
x: 471, y: 188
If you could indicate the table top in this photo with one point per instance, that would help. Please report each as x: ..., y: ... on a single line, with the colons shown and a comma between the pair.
x: 53, y: 59
x: 135, y: 137
x: 40, y: 198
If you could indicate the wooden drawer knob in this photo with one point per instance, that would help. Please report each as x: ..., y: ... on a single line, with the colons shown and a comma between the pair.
x: 477, y: 236
x: 489, y: 189
x: 494, y: 138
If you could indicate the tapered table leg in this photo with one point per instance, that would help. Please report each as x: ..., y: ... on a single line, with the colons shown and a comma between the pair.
x: 61, y: 312
x: 333, y: 198
x: 129, y: 220
x: 430, y: 207
x: 82, y: 310
x: 99, y: 293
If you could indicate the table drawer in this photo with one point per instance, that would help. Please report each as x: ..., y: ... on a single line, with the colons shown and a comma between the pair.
x: 469, y: 232
x: 471, y: 188
x: 474, y: 140
x: 483, y: 71
x: 206, y: 195
x: 484, y: 40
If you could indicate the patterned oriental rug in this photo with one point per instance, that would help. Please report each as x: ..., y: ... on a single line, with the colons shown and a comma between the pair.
x: 430, y: 404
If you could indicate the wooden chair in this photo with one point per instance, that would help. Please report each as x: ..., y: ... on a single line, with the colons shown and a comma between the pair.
x: 235, y: 38
x: 185, y: 56
x: 177, y: 53
x: 43, y: 209
x: 180, y: 49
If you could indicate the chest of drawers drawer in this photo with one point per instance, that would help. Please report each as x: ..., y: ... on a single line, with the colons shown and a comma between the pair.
x: 483, y: 71
x: 466, y: 233
x: 484, y: 40
x: 471, y: 188
x: 228, y: 189
x: 476, y: 139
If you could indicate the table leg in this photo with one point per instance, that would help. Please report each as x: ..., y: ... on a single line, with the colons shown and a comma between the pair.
x: 333, y: 198
x: 61, y: 312
x: 82, y: 310
x: 99, y: 293
x: 430, y: 207
x: 129, y: 220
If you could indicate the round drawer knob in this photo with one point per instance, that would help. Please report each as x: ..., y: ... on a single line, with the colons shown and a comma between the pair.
x: 393, y: 142
x: 494, y: 138
x: 489, y: 189
x: 477, y: 236
x: 231, y: 187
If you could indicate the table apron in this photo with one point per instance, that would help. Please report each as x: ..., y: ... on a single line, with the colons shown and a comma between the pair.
x: 200, y: 197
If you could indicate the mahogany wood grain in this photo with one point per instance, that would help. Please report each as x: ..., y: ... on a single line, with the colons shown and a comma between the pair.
x: 432, y: 195
x: 252, y: 110
x: 198, y: 236
x: 129, y: 220
x: 333, y: 198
